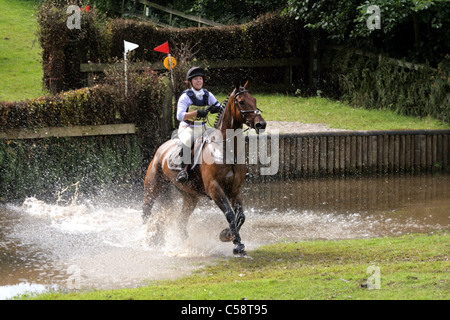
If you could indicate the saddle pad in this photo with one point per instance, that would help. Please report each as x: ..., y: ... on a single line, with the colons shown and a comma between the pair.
x: 174, y: 161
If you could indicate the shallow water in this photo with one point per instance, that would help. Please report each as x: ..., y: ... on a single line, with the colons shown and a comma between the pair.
x: 102, y: 242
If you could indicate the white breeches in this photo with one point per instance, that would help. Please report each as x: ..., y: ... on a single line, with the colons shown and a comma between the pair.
x: 188, y: 135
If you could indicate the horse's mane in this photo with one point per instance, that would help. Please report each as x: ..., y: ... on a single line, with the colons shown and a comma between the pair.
x: 224, y: 103
x: 220, y: 114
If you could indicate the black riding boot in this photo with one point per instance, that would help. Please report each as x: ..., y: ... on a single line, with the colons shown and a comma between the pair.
x: 183, y: 176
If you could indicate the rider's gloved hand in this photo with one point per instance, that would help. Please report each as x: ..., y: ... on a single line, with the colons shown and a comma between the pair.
x: 215, y: 109
x: 202, y: 113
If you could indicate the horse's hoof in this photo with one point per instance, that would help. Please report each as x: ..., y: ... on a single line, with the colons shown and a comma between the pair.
x: 226, y: 235
x: 239, y: 250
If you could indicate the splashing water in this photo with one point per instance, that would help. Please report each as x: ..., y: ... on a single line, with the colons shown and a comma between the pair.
x: 102, y: 243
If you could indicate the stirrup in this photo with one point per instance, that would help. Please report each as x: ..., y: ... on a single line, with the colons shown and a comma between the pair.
x: 183, y: 176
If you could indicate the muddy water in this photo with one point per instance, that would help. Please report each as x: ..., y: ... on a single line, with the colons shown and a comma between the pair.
x: 102, y: 243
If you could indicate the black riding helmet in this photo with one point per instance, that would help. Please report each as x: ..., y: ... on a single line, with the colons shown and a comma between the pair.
x: 195, y: 72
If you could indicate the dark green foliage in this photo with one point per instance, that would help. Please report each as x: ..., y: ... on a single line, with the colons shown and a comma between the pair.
x: 101, y: 104
x: 45, y: 166
x: 373, y: 82
x: 63, y: 49
x: 416, y: 30
x: 99, y: 40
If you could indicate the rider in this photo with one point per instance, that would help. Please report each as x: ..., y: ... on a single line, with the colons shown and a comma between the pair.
x: 193, y: 107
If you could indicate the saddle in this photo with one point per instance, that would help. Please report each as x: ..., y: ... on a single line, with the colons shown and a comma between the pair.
x: 174, y: 161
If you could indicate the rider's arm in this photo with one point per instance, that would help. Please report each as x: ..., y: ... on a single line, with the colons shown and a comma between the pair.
x: 214, y: 105
x: 183, y: 105
x: 212, y: 100
x: 190, y: 115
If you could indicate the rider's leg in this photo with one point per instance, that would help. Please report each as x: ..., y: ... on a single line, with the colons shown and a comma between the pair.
x: 183, y: 174
x: 185, y: 134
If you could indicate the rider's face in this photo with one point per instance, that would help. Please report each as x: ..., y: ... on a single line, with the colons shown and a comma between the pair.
x: 197, y: 82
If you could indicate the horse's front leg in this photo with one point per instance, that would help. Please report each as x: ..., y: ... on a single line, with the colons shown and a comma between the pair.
x: 239, y: 211
x: 226, y: 235
x: 220, y: 198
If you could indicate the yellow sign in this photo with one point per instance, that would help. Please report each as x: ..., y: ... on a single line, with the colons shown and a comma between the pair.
x: 166, y: 62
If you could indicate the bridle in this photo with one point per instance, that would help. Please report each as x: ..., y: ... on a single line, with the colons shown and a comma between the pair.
x: 244, y: 112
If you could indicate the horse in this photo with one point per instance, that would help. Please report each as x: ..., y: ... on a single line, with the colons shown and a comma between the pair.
x: 219, y: 180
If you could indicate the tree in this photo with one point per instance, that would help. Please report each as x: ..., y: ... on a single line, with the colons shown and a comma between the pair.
x: 415, y: 28
x: 235, y: 11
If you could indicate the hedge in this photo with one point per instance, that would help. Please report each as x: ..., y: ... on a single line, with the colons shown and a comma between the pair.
x: 374, y: 82
x: 362, y: 81
x: 98, y: 105
x: 44, y: 166
x: 100, y: 41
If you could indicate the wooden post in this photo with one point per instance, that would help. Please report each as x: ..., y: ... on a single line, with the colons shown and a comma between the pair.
x: 323, y: 155
x: 313, y: 72
x: 445, y: 151
x: 330, y: 152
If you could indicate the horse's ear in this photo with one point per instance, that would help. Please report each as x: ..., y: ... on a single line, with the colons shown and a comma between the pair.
x: 237, y: 85
x: 246, y: 85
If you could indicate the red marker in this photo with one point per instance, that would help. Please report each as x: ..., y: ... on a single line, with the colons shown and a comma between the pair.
x: 85, y: 9
x: 164, y: 48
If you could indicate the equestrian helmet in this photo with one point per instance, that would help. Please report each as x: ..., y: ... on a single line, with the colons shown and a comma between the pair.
x: 195, y: 72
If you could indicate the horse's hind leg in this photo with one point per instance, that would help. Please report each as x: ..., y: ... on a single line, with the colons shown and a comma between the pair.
x: 154, y: 185
x: 155, y: 227
x: 189, y: 204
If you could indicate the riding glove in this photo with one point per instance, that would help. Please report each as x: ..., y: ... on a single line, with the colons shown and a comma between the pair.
x: 215, y: 108
x: 202, y: 113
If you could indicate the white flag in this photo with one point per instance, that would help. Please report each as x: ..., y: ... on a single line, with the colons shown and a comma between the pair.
x: 129, y: 46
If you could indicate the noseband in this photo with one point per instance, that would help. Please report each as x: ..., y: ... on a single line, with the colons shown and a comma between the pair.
x: 244, y: 112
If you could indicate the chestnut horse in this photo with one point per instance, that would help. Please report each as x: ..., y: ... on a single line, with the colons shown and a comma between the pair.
x: 222, y: 182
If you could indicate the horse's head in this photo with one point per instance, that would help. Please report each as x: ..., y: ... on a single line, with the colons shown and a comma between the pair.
x: 246, y: 110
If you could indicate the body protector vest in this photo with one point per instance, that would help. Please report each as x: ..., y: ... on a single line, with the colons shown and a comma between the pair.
x: 197, y: 104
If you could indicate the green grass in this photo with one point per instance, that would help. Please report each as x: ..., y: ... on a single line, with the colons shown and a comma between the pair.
x: 411, y: 267
x: 336, y: 114
x: 20, y: 51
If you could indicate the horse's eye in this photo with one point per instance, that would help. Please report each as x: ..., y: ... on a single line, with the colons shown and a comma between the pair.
x: 242, y: 102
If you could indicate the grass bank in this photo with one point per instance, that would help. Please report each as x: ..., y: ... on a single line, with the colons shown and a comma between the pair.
x: 338, y: 115
x: 409, y: 267
x: 20, y: 51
